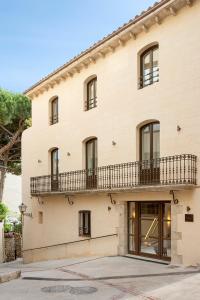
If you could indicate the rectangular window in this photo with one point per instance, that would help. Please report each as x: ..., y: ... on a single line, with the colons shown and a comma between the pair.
x: 40, y: 217
x: 84, y: 223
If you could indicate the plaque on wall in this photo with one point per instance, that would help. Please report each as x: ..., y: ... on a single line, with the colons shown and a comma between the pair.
x: 189, y: 218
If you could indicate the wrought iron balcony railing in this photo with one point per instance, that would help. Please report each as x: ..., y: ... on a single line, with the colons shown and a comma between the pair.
x: 171, y: 170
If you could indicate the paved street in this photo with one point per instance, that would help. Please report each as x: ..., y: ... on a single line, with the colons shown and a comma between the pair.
x: 98, y: 278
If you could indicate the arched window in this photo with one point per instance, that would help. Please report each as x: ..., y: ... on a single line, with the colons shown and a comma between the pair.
x: 150, y: 153
x: 91, y: 163
x: 149, y: 71
x: 54, y: 168
x: 150, y: 141
x: 91, y: 94
x: 54, y: 111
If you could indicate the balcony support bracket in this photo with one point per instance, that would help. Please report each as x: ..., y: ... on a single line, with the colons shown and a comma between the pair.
x: 113, y: 202
x: 175, y: 200
x: 71, y: 202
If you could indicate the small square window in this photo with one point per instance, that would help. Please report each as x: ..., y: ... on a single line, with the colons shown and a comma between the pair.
x: 84, y: 223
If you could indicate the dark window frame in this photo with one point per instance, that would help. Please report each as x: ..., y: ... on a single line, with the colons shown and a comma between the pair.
x: 54, y: 176
x: 150, y: 51
x: 85, y: 229
x: 54, y: 114
x: 91, y: 102
x: 151, y: 138
x: 94, y: 152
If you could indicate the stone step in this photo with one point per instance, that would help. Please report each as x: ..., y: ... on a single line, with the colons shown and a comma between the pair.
x: 7, y: 276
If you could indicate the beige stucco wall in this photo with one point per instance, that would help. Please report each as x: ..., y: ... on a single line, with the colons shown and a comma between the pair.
x: 121, y: 107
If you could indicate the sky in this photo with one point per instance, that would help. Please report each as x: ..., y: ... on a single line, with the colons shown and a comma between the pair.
x: 37, y: 36
x: 12, y: 192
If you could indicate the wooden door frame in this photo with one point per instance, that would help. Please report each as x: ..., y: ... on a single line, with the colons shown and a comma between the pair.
x: 137, y: 233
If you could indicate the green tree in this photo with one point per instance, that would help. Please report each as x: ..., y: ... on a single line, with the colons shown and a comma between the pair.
x: 15, y: 113
x: 3, y: 211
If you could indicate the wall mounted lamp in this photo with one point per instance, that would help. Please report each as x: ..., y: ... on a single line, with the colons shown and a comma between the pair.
x: 188, y: 208
x: 68, y: 154
x: 178, y: 128
x: 39, y: 161
x: 175, y: 200
x: 114, y: 143
x: 22, y: 209
x: 70, y: 201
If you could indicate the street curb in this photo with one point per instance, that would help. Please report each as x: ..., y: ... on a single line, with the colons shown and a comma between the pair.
x: 9, y: 276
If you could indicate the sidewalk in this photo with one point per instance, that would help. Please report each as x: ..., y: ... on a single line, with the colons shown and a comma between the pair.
x: 104, y: 278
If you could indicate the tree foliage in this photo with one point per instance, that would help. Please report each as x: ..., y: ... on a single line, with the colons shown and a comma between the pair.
x: 3, y: 211
x: 15, y: 113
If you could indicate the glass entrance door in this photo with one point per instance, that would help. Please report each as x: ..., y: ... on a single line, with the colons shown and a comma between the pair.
x: 149, y: 229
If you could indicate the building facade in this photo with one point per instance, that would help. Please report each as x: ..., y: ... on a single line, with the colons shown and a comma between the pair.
x: 110, y: 164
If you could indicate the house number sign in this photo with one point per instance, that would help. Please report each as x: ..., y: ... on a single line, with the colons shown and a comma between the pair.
x: 189, y: 218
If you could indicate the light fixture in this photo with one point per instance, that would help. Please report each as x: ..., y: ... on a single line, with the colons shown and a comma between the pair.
x: 22, y: 209
x: 68, y: 153
x: 188, y: 208
x: 39, y: 161
x: 70, y: 201
x: 114, y: 143
x: 175, y: 200
x: 178, y: 128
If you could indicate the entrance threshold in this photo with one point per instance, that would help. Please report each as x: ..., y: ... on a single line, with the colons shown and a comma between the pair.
x: 157, y: 261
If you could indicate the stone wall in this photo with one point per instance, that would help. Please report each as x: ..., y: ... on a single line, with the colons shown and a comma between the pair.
x: 12, y: 246
x: 1, y: 243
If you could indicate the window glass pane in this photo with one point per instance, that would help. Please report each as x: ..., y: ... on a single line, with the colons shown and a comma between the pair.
x: 167, y: 212
x: 167, y: 229
x: 55, y: 107
x: 155, y: 65
x: 167, y: 248
x: 156, y: 141
x: 132, y: 226
x: 131, y: 243
x: 149, y: 235
x: 149, y: 227
x: 146, y: 143
x: 90, y: 155
x: 149, y: 210
x: 86, y: 223
x: 91, y: 90
x: 91, y: 152
x: 80, y: 223
x: 55, y: 161
x: 91, y: 97
x: 146, y: 69
x: 54, y: 111
x: 132, y: 218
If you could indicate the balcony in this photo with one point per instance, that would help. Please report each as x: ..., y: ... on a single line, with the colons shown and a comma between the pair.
x: 172, y: 172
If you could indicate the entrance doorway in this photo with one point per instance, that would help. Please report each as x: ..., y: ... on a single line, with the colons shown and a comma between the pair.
x: 149, y: 229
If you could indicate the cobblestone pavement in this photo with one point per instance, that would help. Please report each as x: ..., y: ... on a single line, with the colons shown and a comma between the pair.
x: 106, y: 278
